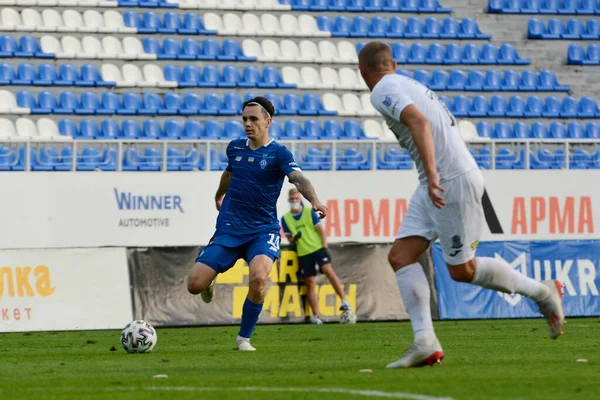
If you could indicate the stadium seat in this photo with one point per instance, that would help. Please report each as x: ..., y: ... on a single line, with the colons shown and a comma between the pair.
x: 587, y: 108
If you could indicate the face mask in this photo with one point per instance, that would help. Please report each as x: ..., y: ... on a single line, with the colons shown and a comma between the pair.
x: 295, y: 206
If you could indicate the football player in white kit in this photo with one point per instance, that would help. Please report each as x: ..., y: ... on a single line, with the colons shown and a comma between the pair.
x: 446, y: 206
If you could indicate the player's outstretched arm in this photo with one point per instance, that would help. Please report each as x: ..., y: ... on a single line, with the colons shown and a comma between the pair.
x: 223, y: 186
x: 307, y: 190
x: 420, y: 130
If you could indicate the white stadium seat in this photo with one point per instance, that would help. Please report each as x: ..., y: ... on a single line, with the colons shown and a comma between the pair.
x: 273, y: 5
x: 328, y: 52
x: 361, y: 85
x: 52, y: 20
x: 271, y: 26
x: 50, y: 44
x: 113, y: 48
x: 7, y: 129
x: 292, y: 75
x: 113, y: 20
x: 32, y: 20
x: 247, y: 5
x: 311, y: 78
x: 8, y: 104
x: 329, y: 77
x: 251, y: 48
x: 94, y: 20
x: 91, y: 46
x: 26, y: 128
x: 347, y: 52
x: 47, y: 129
x: 289, y: 25
x: 133, y: 49
x: 347, y: 79
x: 309, y: 27
x: 232, y: 25
x: 71, y: 47
x: 289, y: 50
x: 229, y: 4
x: 132, y: 74
x: 308, y: 51
x: 213, y: 22
x: 112, y: 73
x: 252, y: 26
x: 332, y: 102
x: 74, y: 21
x: 154, y: 74
x: 270, y: 51
x: 11, y: 19
x: 467, y: 130
x: 373, y: 129
x: 351, y: 104
x: 367, y: 106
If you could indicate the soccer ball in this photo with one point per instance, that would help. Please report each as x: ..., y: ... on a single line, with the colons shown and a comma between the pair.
x: 348, y: 317
x: 138, y: 337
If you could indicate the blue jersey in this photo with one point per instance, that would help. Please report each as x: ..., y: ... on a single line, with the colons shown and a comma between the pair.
x: 250, y: 205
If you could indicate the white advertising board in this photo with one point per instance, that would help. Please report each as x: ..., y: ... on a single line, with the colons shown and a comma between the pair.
x: 56, y: 210
x: 64, y: 289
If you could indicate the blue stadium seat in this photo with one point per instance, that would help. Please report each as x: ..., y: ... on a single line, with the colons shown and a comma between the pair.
x: 292, y: 104
x: 151, y: 104
x: 432, y: 28
x: 485, y: 130
x: 7, y: 74
x: 152, y: 160
x: 68, y: 127
x: 509, y: 55
x: 535, y: 107
x: 593, y: 130
x: 211, y: 50
x: 47, y: 74
x: 360, y: 27
x: 432, y: 6
x: 271, y: 78
x: 587, y: 108
x: 88, y: 129
x: 190, y: 50
x: 230, y: 77
x: 470, y: 30
x: 573, y: 30
x: 131, y: 160
x: 90, y: 76
x: 213, y: 105
x: 457, y: 80
x: 450, y: 29
x: 435, y: 54
x: 173, y: 130
x: 510, y: 80
x: 232, y: 103
x: 25, y: 75
x: 539, y: 131
x: 68, y: 75
x: 353, y: 130
x: 503, y: 130
x: 400, y: 53
x: 355, y: 5
x: 373, y: 5
x: 568, y: 108
x: 192, y: 130
x: 332, y: 129
x: 530, y: 6
x: 492, y: 81
x: 131, y: 129
x: 293, y: 130
x: 27, y: 99
x: 232, y: 51
x: 396, y: 28
x: 528, y: 81
x: 521, y: 130
x: 592, y: 29
x: 580, y: 159
x: 378, y: 27
x: 337, y: 5
x: 475, y: 80
x: 132, y: 20
x: 68, y: 103
x: 551, y: 107
x: 111, y: 102
x: 280, y: 107
x: 439, y: 79
x: 327, y: 24
x: 505, y: 158
x: 109, y: 129
x: 171, y: 23
x: 171, y: 50
x: 471, y: 54
x: 174, y: 159
x: 151, y: 130
x: 250, y: 77
x: 416, y: 54
x: 213, y: 130
x: 479, y: 107
x: 576, y: 130
x: 132, y: 103
x: 210, y: 77
x: 90, y: 104
x: 422, y: 76
x: 312, y: 130
x: 276, y: 130
x: 558, y: 131
x: 191, y: 76
x: 30, y: 47
x: 453, y: 54
x: 547, y: 81
x: 414, y: 28
x: 151, y: 23
x: 489, y: 54
x: 498, y: 107
x: 172, y: 104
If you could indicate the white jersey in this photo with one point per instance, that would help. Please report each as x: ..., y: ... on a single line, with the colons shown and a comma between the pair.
x: 392, y: 94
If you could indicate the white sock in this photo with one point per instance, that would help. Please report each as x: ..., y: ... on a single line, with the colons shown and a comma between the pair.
x: 496, y: 274
x: 416, y: 295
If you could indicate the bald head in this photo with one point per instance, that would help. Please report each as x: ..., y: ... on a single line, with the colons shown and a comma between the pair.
x: 376, y: 57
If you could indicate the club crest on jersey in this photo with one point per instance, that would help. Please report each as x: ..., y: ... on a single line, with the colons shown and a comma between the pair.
x: 387, y: 101
x: 238, y: 158
x: 263, y: 162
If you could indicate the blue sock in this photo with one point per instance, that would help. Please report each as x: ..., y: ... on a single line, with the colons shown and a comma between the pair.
x: 250, y: 314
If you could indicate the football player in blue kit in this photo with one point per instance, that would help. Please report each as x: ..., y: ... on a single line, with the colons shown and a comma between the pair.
x: 247, y: 225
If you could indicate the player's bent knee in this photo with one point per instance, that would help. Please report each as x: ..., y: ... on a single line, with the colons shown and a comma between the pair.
x: 463, y: 272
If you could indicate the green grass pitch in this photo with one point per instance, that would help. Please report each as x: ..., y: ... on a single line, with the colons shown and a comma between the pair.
x: 489, y: 360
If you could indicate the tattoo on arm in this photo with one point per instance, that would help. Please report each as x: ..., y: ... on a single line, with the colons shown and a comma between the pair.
x: 223, y: 185
x: 304, y: 186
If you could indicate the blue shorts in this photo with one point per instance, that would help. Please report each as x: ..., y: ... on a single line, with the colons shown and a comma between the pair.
x: 223, y: 251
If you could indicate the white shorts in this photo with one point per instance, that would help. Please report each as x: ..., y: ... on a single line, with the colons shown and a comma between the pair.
x: 458, y: 224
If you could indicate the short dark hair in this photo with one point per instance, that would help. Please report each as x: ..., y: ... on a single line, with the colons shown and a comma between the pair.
x: 376, y: 56
x: 268, y: 107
